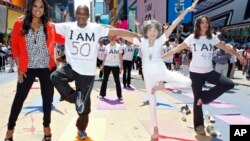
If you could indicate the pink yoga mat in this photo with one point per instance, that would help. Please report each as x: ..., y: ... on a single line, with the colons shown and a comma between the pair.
x: 234, y: 119
x: 111, y: 102
x: 215, y: 104
x: 170, y: 130
x: 220, y: 104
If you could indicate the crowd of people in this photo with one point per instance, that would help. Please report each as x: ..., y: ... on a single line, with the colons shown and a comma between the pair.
x: 202, y: 57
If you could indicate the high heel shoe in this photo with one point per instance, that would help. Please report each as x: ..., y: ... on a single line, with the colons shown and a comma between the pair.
x: 47, y: 138
x: 9, y: 139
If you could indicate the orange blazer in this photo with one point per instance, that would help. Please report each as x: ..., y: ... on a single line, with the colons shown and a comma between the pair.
x: 19, y: 48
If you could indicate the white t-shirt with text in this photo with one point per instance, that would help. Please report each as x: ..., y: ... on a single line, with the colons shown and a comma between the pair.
x: 101, y: 52
x: 128, y: 52
x: 81, y: 45
x: 167, y: 49
x: 202, y: 53
x: 112, y: 55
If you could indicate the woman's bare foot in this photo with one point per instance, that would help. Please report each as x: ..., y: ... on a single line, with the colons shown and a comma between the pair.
x: 9, y: 134
x: 155, y: 135
x: 158, y: 86
x: 199, y: 102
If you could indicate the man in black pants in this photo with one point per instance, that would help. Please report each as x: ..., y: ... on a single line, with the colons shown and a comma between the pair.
x: 81, y: 40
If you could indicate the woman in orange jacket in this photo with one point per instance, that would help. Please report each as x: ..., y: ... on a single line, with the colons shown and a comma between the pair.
x: 33, y: 39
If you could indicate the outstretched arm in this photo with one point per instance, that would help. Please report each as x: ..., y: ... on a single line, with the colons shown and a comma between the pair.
x: 122, y: 33
x: 229, y: 48
x: 178, y: 20
x: 174, y: 50
x: 137, y: 24
x: 125, y: 34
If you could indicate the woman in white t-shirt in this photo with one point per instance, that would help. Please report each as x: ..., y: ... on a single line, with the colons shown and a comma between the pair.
x: 128, y: 52
x: 100, y: 56
x: 153, y: 66
x: 201, y: 43
x: 168, y: 61
x: 112, y: 62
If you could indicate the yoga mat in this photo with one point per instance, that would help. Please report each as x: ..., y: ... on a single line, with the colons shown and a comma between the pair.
x: 96, y: 125
x: 215, y: 103
x: 37, y: 106
x: 190, y: 94
x: 132, y: 88
x: 233, y: 119
x: 161, y: 103
x: 111, y: 102
x: 170, y: 130
x: 220, y: 104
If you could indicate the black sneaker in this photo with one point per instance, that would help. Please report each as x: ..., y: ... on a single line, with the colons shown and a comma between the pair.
x: 120, y: 98
x: 79, y: 103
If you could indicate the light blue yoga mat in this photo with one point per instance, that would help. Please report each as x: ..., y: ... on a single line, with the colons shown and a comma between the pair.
x: 36, y: 105
x: 161, y: 102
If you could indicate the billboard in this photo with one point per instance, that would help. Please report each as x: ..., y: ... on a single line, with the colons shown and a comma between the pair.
x: 224, y: 12
x: 20, y: 3
x: 151, y: 9
x: 11, y: 18
x: 3, y: 11
x: 173, y: 10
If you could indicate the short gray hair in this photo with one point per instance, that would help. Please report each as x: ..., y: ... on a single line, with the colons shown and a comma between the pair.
x: 149, y: 24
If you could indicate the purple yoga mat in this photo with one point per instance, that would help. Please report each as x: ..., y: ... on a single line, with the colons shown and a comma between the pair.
x: 132, y: 88
x: 233, y: 119
x: 111, y: 102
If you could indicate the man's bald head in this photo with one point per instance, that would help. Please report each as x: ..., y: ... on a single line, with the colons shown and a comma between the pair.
x: 82, y: 7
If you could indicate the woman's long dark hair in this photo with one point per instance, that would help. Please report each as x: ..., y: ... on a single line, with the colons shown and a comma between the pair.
x: 28, y: 16
x: 197, y: 28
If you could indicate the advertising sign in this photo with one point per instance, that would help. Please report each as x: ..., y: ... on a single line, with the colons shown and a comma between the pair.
x: 11, y: 18
x: 173, y: 10
x: 3, y: 11
x: 151, y: 9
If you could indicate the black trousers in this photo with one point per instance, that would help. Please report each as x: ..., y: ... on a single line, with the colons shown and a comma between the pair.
x: 168, y: 65
x: 47, y: 91
x: 61, y: 78
x: 116, y: 72
x: 99, y: 64
x: 126, y: 77
x: 230, y: 66
x: 222, y: 84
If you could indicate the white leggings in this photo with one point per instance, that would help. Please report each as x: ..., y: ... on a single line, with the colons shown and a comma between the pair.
x: 156, y: 73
